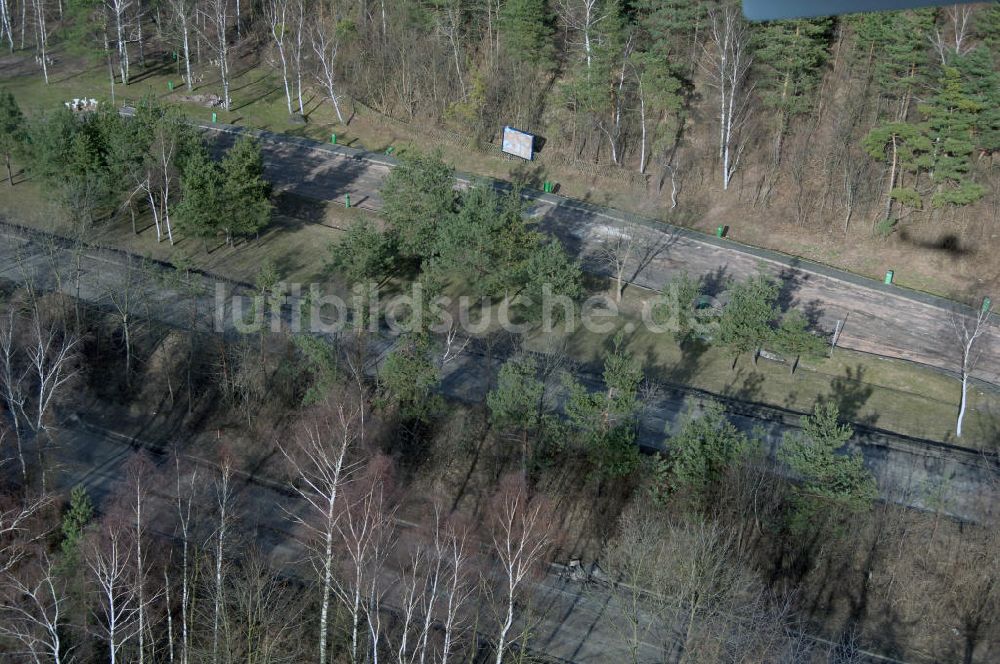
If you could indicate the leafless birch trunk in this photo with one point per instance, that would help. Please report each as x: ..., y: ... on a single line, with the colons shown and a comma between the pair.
x: 727, y: 65
x: 318, y: 460
x: 968, y: 329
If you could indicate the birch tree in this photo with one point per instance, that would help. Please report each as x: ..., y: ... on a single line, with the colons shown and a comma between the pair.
x: 16, y: 529
x: 218, y: 15
x: 185, y: 489
x: 326, y: 45
x: 521, y: 530
x: 119, y: 10
x: 365, y: 526
x: 297, y: 46
x: 12, y: 379
x: 968, y: 329
x: 727, y: 65
x: 36, y: 613
x: 319, y: 463
x: 41, y: 36
x: 223, y: 500
x: 6, y: 28
x: 183, y: 13
x: 51, y: 357
x: 277, y: 20
x: 111, y: 563
x: 583, y: 17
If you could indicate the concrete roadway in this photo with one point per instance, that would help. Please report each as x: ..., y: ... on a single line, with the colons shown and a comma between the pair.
x: 885, y: 320
x: 961, y: 482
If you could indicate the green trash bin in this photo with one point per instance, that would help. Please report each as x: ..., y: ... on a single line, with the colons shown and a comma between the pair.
x: 170, y: 86
x: 720, y: 231
x: 987, y: 303
x: 347, y: 200
x: 888, y: 277
x: 333, y: 139
x: 215, y: 117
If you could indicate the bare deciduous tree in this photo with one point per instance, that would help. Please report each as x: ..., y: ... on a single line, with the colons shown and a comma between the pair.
x: 111, y: 562
x: 319, y: 461
x: 35, y: 612
x: 968, y: 329
x: 326, y: 45
x: 727, y: 64
x: 15, y: 533
x: 12, y: 380
x: 521, y: 529
x: 365, y: 527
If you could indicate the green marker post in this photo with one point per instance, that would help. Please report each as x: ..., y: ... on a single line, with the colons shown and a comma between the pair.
x: 347, y: 200
x: 215, y: 117
x: 888, y: 277
x: 720, y: 231
x: 987, y: 303
x: 333, y: 139
x: 170, y: 86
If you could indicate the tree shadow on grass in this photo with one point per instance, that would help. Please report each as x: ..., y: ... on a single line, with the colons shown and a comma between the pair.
x: 850, y: 393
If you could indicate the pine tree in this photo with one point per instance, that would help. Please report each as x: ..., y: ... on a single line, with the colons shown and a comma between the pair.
x: 828, y: 476
x: 905, y: 147
x: 790, y: 56
x: 673, y: 28
x: 745, y: 325
x: 981, y: 82
x: 76, y: 518
x: 526, y: 26
x: 893, y: 48
x: 950, y: 119
x: 200, y: 210
x: 793, y: 338
x: 363, y: 254
x: 418, y: 195
x: 12, y: 129
x: 247, y: 195
x: 706, y: 445
x: 605, y: 420
x: 515, y: 403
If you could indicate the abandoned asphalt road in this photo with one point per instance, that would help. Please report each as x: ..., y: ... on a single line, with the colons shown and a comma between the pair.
x: 961, y: 482
x: 874, y: 318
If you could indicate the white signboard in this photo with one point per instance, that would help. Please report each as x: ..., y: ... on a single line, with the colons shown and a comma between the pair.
x: 518, y: 143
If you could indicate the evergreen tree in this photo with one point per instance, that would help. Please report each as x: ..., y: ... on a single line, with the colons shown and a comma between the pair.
x: 526, y: 27
x: 706, y: 445
x: 794, y: 338
x: 672, y: 29
x: 418, y: 195
x: 905, y: 147
x: 75, y: 520
x: 893, y: 47
x: 606, y: 420
x: 981, y: 83
x: 745, y: 324
x: 246, y: 194
x: 950, y: 120
x: 827, y: 476
x: 408, y: 377
x: 12, y: 129
x: 363, y: 254
x: 790, y: 56
x: 199, y: 211
x: 486, y: 243
x: 676, y: 307
x: 515, y: 403
x: 549, y: 272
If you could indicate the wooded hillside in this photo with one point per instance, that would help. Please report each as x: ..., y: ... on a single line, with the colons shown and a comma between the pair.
x: 885, y: 122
